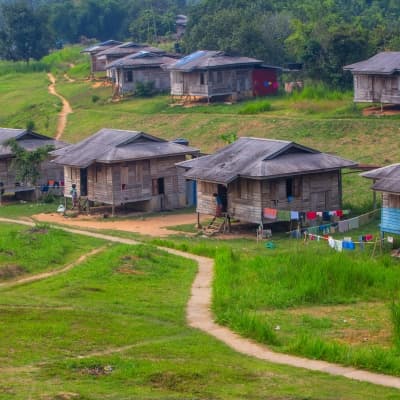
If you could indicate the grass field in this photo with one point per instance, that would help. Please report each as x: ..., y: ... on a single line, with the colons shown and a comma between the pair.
x: 27, y: 251
x: 114, y: 328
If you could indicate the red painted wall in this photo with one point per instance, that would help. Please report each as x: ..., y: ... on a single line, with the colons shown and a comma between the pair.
x: 265, y: 82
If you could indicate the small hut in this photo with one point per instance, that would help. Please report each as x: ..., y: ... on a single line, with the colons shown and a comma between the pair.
x: 28, y: 140
x: 387, y: 181
x: 117, y: 167
x: 252, y: 174
x: 214, y: 74
x: 142, y: 67
x: 377, y: 80
x: 98, y: 64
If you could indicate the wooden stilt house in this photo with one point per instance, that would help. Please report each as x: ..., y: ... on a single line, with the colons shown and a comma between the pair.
x: 29, y: 141
x: 98, y: 63
x: 143, y: 67
x: 377, y: 80
x: 387, y: 182
x: 207, y: 74
x: 116, y: 167
x: 253, y: 174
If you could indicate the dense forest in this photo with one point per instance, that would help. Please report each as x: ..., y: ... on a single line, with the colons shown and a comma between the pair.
x: 324, y: 35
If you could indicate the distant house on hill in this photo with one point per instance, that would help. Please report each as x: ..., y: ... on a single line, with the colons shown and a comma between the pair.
x: 30, y: 141
x: 377, y: 79
x: 387, y: 181
x: 98, y: 64
x: 140, y: 67
x: 180, y: 24
x: 215, y: 74
x: 252, y: 174
x: 124, y: 49
x: 118, y: 167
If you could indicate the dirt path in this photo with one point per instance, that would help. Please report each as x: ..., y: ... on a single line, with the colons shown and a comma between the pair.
x: 45, y: 275
x: 199, y: 316
x: 153, y: 226
x: 66, y: 108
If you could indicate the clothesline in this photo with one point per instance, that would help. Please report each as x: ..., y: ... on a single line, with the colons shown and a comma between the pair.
x: 340, y: 226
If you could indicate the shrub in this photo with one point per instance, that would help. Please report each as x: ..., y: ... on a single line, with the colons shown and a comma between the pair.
x: 145, y: 89
x: 255, y: 107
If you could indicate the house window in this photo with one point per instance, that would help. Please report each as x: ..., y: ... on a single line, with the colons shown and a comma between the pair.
x: 219, y: 77
x: 202, y: 78
x: 128, y: 76
x: 98, y: 173
x: 124, y: 177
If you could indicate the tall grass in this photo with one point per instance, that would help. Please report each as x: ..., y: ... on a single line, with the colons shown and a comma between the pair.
x: 255, y: 107
x: 395, y: 316
x: 319, y: 91
x: 21, y: 67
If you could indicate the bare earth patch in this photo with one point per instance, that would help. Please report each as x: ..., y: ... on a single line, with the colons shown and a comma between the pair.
x: 153, y: 226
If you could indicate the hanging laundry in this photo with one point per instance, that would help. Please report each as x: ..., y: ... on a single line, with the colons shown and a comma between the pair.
x: 331, y: 242
x: 348, y: 245
x: 338, y: 245
x: 294, y: 215
x: 319, y: 214
x: 332, y: 213
x: 283, y: 215
x: 368, y: 237
x: 270, y: 213
x: 361, y: 240
x: 339, y: 213
x: 343, y: 226
x: 353, y: 223
x: 346, y: 212
x: 326, y: 216
x: 311, y: 215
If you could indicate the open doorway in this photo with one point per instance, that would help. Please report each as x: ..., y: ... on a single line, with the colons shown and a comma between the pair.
x: 222, y: 192
x: 83, y: 182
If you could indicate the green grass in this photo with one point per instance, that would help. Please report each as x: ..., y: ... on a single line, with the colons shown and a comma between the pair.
x: 26, y: 209
x: 27, y: 251
x: 257, y: 294
x: 115, y: 328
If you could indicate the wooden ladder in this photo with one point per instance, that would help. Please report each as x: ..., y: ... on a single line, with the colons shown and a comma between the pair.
x: 218, y: 224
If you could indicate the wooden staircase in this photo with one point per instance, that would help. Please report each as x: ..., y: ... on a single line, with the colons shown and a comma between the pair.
x: 218, y: 224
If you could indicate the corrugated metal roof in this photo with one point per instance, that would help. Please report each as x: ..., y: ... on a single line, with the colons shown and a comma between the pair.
x: 209, y: 59
x: 388, y: 178
x: 261, y: 158
x: 386, y: 63
x: 113, y: 145
x: 101, y: 46
x: 27, y: 140
x: 141, y: 60
x: 128, y: 48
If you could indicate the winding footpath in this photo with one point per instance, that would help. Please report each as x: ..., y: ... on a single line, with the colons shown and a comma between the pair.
x: 199, y: 316
x: 66, y: 107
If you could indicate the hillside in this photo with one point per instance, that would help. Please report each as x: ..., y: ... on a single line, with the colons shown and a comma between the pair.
x: 318, y: 117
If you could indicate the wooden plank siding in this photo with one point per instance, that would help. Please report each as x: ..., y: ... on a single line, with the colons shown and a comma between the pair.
x: 127, y: 79
x: 131, y: 182
x: 377, y: 88
x: 235, y: 82
x: 48, y: 171
x: 248, y: 197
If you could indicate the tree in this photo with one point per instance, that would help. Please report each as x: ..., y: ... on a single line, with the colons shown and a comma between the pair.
x: 27, y: 163
x: 24, y: 32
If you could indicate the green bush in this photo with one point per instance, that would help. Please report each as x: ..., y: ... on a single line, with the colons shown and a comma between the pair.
x: 145, y: 89
x: 319, y: 91
x: 255, y: 107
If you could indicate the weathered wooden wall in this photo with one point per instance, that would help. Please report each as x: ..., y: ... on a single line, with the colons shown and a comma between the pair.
x: 48, y: 171
x: 160, y: 78
x: 237, y: 83
x: 376, y: 88
x: 247, y: 197
x: 134, y: 181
